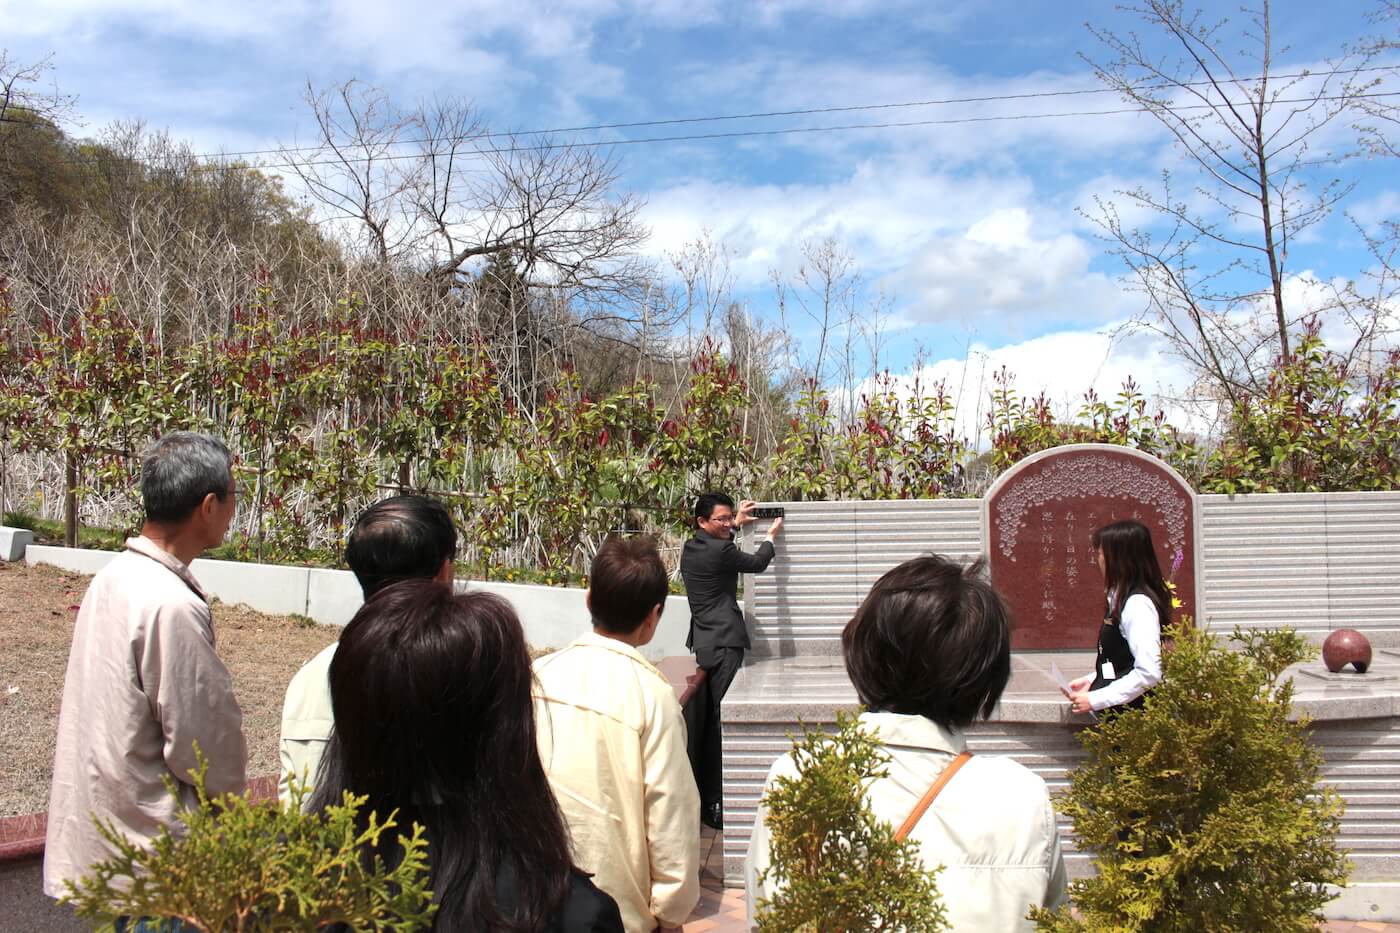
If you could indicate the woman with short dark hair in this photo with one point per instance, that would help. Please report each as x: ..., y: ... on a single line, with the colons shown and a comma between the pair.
x: 929, y: 653
x: 434, y: 718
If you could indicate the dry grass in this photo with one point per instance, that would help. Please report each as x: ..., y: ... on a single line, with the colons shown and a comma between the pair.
x: 37, y: 608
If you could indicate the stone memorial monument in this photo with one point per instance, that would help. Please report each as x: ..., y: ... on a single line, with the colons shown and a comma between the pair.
x: 1038, y: 519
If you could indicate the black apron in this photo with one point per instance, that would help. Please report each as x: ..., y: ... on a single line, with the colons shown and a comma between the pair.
x: 1114, y: 654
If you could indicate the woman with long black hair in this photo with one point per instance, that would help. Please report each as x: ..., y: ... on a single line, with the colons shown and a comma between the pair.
x: 1137, y: 609
x: 433, y: 718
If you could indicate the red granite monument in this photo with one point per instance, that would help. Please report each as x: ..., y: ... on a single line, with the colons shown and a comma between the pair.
x: 1038, y: 519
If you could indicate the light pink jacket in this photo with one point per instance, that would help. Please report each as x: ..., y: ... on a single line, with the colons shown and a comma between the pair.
x: 143, y: 686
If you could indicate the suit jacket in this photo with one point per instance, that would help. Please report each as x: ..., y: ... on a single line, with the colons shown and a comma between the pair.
x: 711, y: 567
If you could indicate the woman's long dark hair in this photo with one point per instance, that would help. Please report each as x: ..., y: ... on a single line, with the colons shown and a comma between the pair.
x: 433, y: 717
x: 1130, y: 566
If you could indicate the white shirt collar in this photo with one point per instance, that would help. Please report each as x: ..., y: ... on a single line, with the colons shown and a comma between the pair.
x: 147, y: 548
x: 913, y: 731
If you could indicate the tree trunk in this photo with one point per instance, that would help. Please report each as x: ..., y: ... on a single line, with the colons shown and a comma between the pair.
x: 70, y: 500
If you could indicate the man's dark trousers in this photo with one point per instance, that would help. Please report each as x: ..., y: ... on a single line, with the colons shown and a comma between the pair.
x: 710, y: 567
x: 720, y: 666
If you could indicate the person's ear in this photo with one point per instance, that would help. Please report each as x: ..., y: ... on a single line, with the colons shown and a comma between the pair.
x: 445, y: 572
x: 652, y: 623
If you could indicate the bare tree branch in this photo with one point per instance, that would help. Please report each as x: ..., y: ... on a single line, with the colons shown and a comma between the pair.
x: 1213, y: 271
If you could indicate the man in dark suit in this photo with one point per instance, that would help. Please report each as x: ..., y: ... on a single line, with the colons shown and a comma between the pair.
x: 710, y: 565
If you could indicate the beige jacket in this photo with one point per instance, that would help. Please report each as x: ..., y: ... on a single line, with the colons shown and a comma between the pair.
x: 143, y: 686
x: 614, y: 746
x: 307, y: 718
x: 992, y: 827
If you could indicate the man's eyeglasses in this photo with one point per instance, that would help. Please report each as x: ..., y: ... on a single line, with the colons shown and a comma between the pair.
x: 721, y: 519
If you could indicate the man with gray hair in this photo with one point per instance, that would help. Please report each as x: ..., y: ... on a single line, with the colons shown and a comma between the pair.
x: 144, y: 686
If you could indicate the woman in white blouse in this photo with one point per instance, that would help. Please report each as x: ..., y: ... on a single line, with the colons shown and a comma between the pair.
x: 1137, y: 607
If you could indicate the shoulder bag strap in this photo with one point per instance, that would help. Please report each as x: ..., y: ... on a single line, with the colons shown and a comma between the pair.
x: 927, y: 800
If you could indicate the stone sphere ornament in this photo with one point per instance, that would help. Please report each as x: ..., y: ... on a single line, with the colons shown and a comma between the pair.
x: 1346, y: 646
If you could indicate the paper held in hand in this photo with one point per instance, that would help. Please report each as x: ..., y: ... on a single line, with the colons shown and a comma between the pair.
x: 1063, y: 684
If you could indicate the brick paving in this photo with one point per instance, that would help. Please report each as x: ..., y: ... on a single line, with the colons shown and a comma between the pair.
x: 721, y: 909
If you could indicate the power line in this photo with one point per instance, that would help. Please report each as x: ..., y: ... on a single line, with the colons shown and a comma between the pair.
x: 783, y: 131
x: 760, y: 115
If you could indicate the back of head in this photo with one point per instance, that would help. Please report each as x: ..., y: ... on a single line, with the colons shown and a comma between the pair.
x: 931, y: 639
x: 705, y: 503
x: 627, y: 580
x: 179, y: 471
x: 427, y: 676
x: 1128, y: 554
x: 400, y: 538
x: 433, y: 716
x: 1130, y: 565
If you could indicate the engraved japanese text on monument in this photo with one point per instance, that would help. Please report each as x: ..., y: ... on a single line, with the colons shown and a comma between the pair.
x: 1041, y: 518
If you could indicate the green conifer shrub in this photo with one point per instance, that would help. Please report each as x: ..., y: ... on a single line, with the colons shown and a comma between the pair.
x: 1203, y: 809
x: 241, y: 866
x: 835, y: 865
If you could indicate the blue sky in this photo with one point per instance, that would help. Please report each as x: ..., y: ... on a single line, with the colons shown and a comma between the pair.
x: 969, y: 230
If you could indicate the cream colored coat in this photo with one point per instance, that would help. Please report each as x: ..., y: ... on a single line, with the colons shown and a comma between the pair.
x: 614, y: 746
x: 143, y: 686
x: 992, y: 827
x: 307, y: 719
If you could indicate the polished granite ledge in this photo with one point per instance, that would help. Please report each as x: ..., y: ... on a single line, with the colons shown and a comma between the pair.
x: 814, y: 688
x: 774, y: 642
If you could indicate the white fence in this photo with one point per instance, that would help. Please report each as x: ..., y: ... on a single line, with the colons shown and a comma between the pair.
x: 552, y: 616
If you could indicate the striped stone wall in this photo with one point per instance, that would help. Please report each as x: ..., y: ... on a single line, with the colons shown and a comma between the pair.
x: 829, y: 555
x: 1312, y: 561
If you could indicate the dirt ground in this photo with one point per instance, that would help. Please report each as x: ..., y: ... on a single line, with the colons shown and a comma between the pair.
x: 37, y: 607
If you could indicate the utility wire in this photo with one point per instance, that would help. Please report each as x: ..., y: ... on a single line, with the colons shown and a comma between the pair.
x: 812, y: 111
x: 739, y: 134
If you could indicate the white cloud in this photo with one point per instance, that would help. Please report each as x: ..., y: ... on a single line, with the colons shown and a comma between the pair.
x: 1376, y: 210
x: 462, y: 40
x: 998, y: 269
x: 1062, y: 366
x: 773, y: 12
x: 991, y: 126
x: 92, y: 17
x: 975, y: 251
x: 1305, y: 293
x: 884, y: 212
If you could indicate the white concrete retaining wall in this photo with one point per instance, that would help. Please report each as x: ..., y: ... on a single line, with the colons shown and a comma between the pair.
x: 552, y: 616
